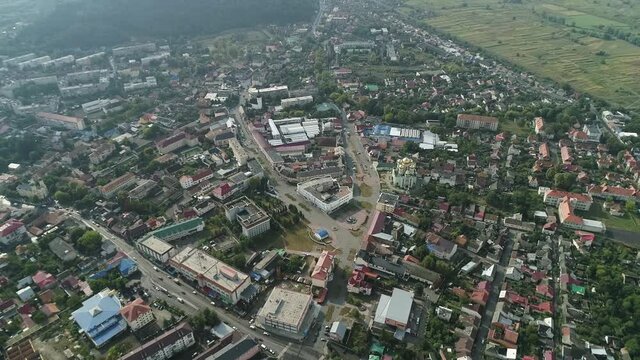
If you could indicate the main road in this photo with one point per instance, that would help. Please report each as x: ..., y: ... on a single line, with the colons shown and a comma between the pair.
x: 343, y: 238
x: 192, y: 302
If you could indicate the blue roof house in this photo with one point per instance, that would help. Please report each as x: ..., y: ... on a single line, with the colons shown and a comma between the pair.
x: 99, y: 317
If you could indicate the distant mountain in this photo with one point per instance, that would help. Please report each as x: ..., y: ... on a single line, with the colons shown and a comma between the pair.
x: 92, y: 23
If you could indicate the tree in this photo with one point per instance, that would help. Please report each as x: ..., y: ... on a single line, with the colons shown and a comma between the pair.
x: 39, y: 317
x: 630, y: 206
x: 90, y: 242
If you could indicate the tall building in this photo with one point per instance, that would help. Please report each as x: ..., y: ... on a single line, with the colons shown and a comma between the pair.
x: 477, y: 122
x: 404, y: 175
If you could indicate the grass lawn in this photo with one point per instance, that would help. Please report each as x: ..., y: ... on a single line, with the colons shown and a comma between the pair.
x: 627, y: 222
x: 329, y: 314
x: 298, y: 239
x: 513, y: 128
x: 365, y: 190
x: 557, y: 51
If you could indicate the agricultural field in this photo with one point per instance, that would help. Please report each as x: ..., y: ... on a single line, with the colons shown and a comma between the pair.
x: 557, y: 39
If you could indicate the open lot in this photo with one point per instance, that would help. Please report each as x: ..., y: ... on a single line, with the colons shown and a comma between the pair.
x: 520, y: 34
x: 629, y: 223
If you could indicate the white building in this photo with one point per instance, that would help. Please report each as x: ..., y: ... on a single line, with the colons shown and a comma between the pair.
x: 149, y: 82
x: 296, y: 101
x: 253, y: 220
x: 156, y: 249
x: 26, y: 293
x: 394, y: 311
x: 404, y: 174
x: 69, y: 122
x: 287, y: 313
x: 128, y: 50
x: 213, y: 276
x: 325, y: 193
x: 12, y: 231
x: 137, y: 314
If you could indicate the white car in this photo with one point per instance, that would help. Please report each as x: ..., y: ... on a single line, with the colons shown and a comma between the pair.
x: 252, y: 327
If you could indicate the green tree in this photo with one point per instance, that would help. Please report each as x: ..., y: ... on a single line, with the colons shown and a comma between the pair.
x: 90, y: 242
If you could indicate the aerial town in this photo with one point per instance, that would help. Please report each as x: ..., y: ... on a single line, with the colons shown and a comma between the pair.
x: 352, y: 187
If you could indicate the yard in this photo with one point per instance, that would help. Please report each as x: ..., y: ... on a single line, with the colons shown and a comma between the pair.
x: 627, y: 222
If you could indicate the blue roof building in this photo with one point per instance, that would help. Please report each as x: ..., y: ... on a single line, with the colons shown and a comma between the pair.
x: 99, y: 317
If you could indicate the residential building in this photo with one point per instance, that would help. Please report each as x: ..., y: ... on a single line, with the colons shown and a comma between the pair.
x: 187, y: 181
x: 165, y: 346
x: 224, y: 191
x: 393, y: 312
x: 118, y: 184
x: 33, y: 189
x: 296, y: 101
x: 216, y: 278
x: 99, y: 317
x: 89, y: 59
x: 440, y: 247
x: 179, y: 229
x: 62, y: 249
x: 244, y: 349
x: 149, y: 82
x: 594, y: 133
x: 26, y: 293
x: 239, y: 153
x: 357, y: 283
x: 43, y: 280
x: 69, y: 122
x: 137, y: 314
x: 156, y: 249
x: 322, y: 273
x: 102, y: 152
x: 133, y: 49
x: 477, y: 122
x: 157, y: 57
x: 287, y: 313
x: 325, y: 193
x: 404, y: 174
x: 281, y: 90
x: 253, y: 220
x: 580, y: 201
x: 22, y: 350
x: 616, y: 193
x: 573, y: 221
x: 176, y: 141
x: 337, y: 331
x: 387, y: 202
x: 12, y: 231
x: 105, y: 106
x: 142, y: 190
x: 538, y: 125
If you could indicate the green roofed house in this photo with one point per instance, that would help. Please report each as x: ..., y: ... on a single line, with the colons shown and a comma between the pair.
x: 577, y: 289
x: 179, y: 230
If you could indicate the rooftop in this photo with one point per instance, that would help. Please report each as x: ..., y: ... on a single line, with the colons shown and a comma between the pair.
x: 171, y: 230
x: 157, y: 245
x: 396, y: 307
x: 212, y: 269
x: 133, y: 310
x: 249, y: 213
x: 286, y: 306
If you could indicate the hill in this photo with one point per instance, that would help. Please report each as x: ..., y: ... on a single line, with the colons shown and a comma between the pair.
x: 94, y: 23
x: 594, y: 46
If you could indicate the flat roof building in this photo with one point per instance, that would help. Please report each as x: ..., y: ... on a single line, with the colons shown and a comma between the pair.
x: 394, y: 311
x: 155, y: 248
x: 325, y: 193
x: 69, y: 122
x: 217, y: 278
x: 287, y: 313
x: 164, y: 346
x: 253, y: 220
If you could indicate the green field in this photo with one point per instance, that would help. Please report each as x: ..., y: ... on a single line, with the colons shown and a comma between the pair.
x: 520, y: 34
x: 627, y: 222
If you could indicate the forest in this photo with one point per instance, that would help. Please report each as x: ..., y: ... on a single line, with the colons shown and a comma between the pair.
x: 95, y: 23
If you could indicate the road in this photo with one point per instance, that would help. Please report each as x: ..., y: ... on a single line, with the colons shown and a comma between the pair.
x: 477, y: 351
x: 345, y: 240
x: 321, y: 8
x: 192, y: 302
